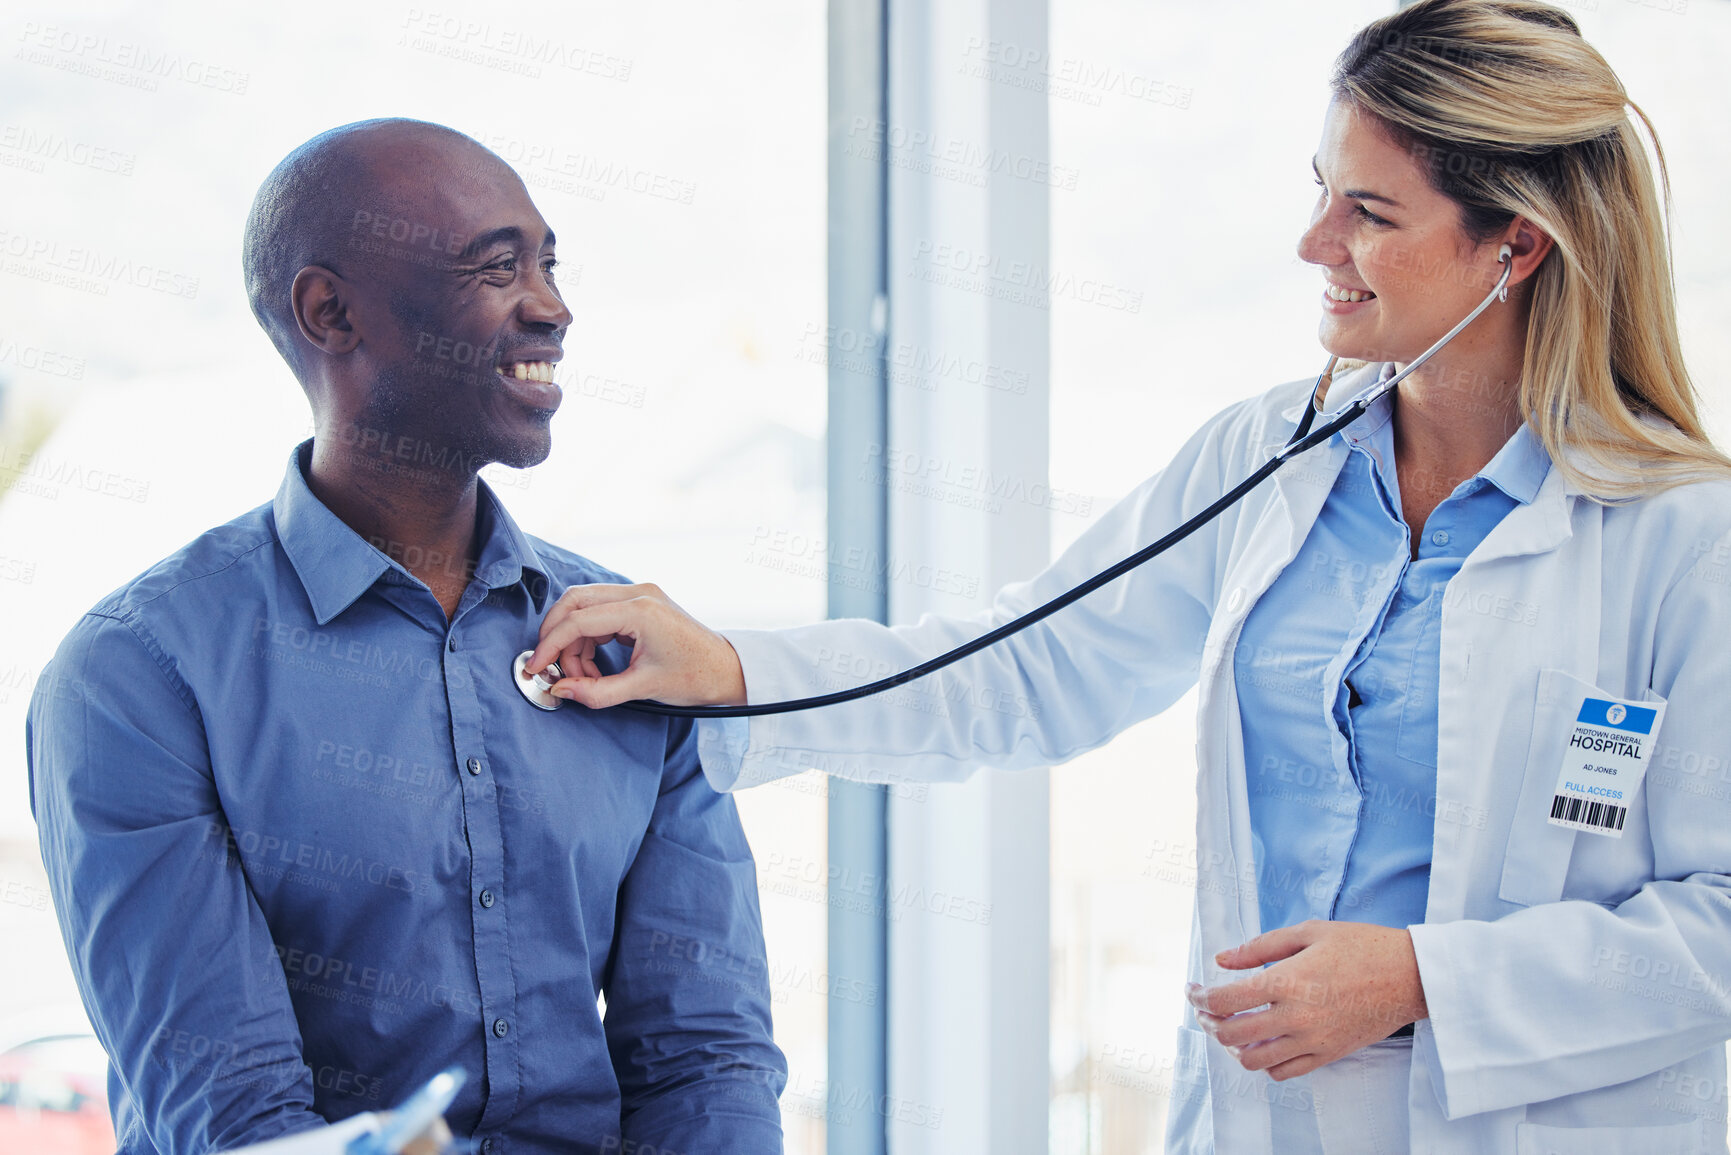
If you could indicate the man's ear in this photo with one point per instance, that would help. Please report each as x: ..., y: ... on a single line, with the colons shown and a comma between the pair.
x: 320, y: 299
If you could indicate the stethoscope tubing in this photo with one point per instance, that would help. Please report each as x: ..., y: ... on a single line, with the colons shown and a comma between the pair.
x: 1302, y: 439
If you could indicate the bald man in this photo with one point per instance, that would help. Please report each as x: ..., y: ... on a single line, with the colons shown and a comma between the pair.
x: 308, y: 843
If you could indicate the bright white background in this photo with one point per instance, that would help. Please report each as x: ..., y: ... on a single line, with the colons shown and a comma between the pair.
x: 689, y: 446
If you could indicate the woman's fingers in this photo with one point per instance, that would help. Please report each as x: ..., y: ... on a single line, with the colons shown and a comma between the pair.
x: 1247, y: 1029
x: 599, y: 692
x: 591, y: 626
x: 674, y: 657
x: 1228, y: 1000
x: 582, y: 597
x: 1282, y: 1058
x: 1267, y: 948
x: 578, y: 659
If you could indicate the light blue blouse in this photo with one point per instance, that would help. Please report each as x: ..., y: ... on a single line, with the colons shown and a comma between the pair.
x: 1337, y: 669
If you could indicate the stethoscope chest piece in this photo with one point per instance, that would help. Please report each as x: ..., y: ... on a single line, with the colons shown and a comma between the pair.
x: 538, y: 689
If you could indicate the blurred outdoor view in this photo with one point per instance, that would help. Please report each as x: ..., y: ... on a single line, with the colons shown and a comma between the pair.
x: 678, y: 150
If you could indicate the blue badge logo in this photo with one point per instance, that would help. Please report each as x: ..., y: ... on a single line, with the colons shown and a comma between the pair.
x: 1615, y: 715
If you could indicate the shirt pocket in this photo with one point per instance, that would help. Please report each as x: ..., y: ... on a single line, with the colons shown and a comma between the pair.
x: 1537, y: 860
x: 1666, y: 1139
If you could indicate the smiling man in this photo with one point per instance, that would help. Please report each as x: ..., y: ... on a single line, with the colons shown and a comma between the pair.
x: 308, y: 843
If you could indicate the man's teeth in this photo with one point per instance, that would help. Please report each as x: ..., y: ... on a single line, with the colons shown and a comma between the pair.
x: 532, y: 371
x: 1336, y: 293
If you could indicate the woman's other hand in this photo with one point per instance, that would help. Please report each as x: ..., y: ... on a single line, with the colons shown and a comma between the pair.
x: 1341, y: 986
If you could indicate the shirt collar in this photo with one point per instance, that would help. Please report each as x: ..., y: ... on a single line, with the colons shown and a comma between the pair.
x: 1518, y: 468
x: 1374, y: 426
x: 336, y: 565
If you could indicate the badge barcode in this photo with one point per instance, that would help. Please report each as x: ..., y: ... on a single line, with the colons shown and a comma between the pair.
x: 1600, y: 814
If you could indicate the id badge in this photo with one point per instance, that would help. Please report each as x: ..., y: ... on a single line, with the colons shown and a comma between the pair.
x: 1604, y: 760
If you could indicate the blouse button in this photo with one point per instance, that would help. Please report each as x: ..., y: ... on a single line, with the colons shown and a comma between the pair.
x: 1440, y: 537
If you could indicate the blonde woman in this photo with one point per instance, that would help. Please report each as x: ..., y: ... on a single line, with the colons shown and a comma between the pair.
x: 1463, y: 810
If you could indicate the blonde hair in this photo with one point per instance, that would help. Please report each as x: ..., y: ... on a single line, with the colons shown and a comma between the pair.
x: 1512, y: 113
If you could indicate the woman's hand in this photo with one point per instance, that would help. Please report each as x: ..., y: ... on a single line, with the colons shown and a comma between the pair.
x: 674, y: 657
x: 1344, y: 985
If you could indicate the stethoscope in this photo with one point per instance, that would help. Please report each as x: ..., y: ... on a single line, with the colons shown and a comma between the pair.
x: 538, y: 688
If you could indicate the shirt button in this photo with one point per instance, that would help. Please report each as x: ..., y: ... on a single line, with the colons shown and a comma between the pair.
x: 487, y: 898
x: 1440, y: 537
x: 452, y: 645
x: 486, y: 1146
x: 474, y: 765
x: 501, y: 1028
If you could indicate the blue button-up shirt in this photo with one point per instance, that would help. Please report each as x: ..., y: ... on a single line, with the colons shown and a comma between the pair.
x: 1337, y: 669
x: 309, y: 846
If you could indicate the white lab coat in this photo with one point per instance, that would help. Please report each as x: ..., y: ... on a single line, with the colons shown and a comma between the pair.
x: 1579, y: 986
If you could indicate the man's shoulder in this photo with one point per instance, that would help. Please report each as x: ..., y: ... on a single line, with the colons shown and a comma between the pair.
x: 219, y: 555
x: 566, y: 568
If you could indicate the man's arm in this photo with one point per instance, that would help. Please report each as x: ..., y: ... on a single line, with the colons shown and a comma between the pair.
x: 173, y: 959
x: 687, y: 988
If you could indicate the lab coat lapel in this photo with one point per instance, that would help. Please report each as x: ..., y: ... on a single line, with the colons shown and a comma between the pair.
x: 1264, y: 545
x: 1226, y: 903
x: 1538, y: 527
x: 1502, y: 623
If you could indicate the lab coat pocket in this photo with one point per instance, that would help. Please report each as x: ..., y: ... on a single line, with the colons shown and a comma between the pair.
x: 1537, y: 859
x: 1667, y: 1139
